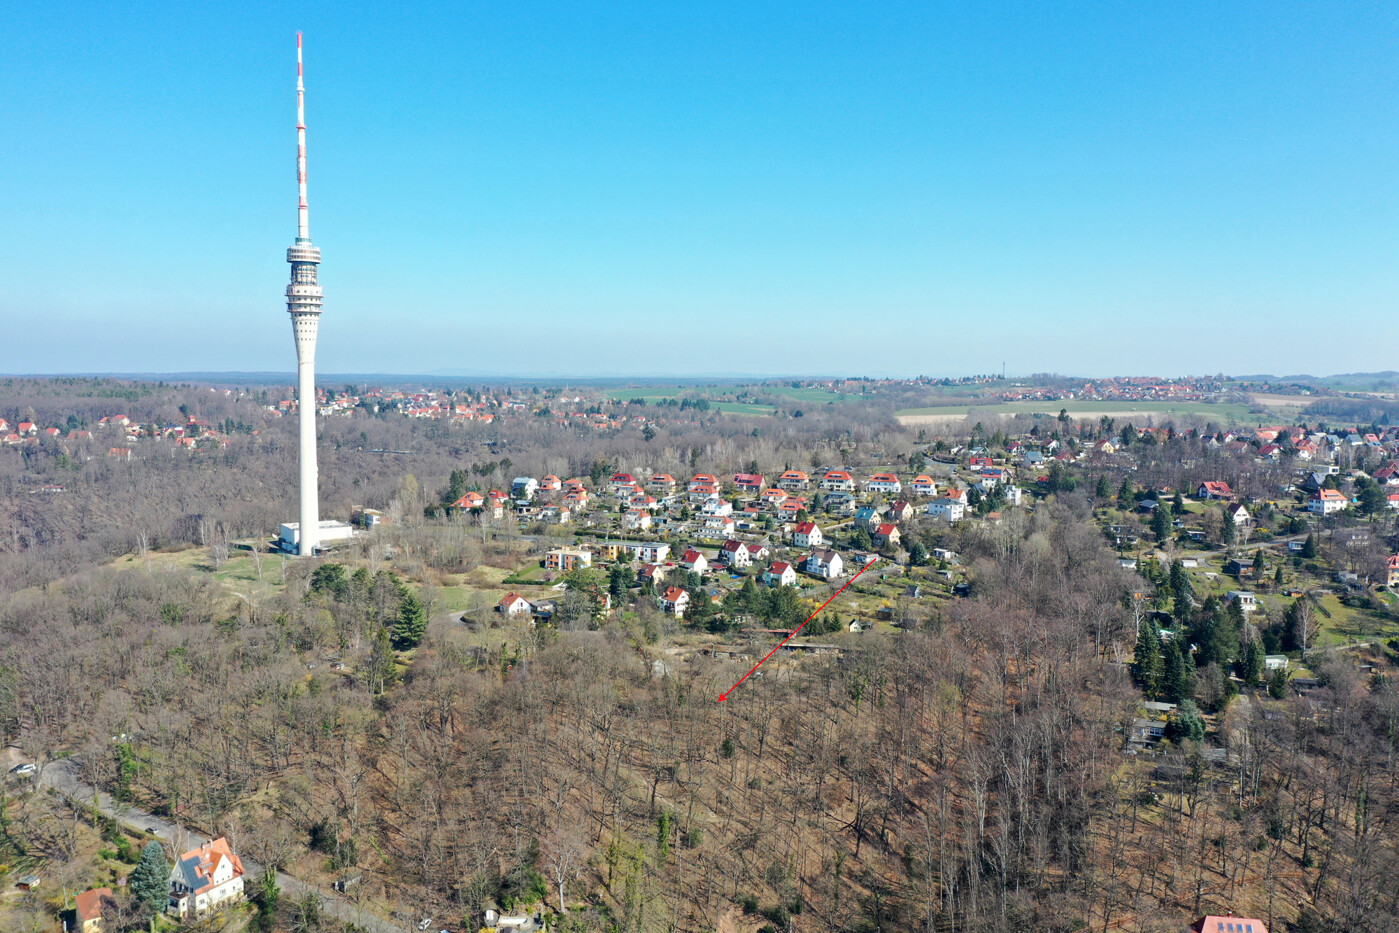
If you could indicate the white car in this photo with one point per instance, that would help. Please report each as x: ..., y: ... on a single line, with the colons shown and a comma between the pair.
x: 24, y: 769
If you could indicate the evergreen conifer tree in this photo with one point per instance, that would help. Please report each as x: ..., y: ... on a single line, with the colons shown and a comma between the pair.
x: 411, y: 624
x: 149, y: 883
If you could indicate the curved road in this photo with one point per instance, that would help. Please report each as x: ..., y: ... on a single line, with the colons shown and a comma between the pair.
x: 62, y: 776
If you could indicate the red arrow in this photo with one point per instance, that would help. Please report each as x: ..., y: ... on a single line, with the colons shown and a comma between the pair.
x: 725, y: 695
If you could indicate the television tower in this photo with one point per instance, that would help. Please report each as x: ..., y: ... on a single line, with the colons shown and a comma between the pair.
x: 304, y: 305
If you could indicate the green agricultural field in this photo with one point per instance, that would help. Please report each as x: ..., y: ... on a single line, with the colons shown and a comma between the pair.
x: 1234, y: 413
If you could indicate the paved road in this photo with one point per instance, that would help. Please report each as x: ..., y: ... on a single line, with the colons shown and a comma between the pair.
x: 63, y: 777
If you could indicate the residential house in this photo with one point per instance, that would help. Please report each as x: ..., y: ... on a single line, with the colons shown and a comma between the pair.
x: 703, y: 492
x: 757, y: 552
x: 524, y: 487
x: 513, y: 604
x: 649, y: 552
x: 651, y: 573
x: 957, y: 493
x: 924, y: 485
x: 205, y: 878
x: 1392, y: 564
x: 1105, y: 446
x: 1240, y: 515
x: 780, y: 573
x: 824, y: 563
x: 636, y: 520
x: 1275, y: 662
x: 749, y: 482
x: 1248, y: 602
x: 1014, y: 494
x: 567, y: 559
x: 838, y: 481
x: 947, y: 509
x: 716, y: 507
x: 900, y: 511
x: 576, y: 499
x: 735, y: 554
x: 702, y: 479
x: 867, y: 518
x: 793, y: 481
x: 721, y: 526
x: 560, y: 514
x: 807, y: 534
x: 840, y: 503
x: 980, y: 461
x: 774, y: 496
x: 1327, y: 501
x: 91, y: 907
x: 620, y: 480
x: 1214, y: 490
x: 884, y: 484
x: 674, y: 600
x: 469, y: 501
x: 550, y: 483
x: 885, y: 534
x: 694, y: 561
x: 663, y: 482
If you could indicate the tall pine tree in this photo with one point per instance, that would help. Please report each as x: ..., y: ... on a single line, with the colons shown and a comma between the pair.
x: 1146, y: 659
x: 411, y: 623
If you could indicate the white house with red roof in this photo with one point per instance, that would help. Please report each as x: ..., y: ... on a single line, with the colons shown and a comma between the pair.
x: 662, y: 481
x: 693, y: 561
x: 721, y: 525
x: 780, y: 573
x: 636, y: 520
x: 924, y: 485
x: 808, y: 534
x: 619, y: 480
x: 838, y: 481
x: 702, y: 479
x: 550, y: 483
x: 735, y: 554
x: 793, y: 481
x: 757, y: 552
x: 1327, y: 502
x: 513, y: 604
x: 824, y: 563
x: 469, y: 501
x: 885, y: 483
x: 1214, y: 490
x: 674, y: 600
x: 205, y: 878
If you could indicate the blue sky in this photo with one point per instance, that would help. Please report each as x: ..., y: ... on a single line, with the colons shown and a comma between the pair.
x: 721, y: 188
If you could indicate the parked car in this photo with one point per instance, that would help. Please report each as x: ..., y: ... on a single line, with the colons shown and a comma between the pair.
x: 26, y: 768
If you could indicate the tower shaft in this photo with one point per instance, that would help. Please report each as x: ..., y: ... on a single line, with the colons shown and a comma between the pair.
x: 304, y: 305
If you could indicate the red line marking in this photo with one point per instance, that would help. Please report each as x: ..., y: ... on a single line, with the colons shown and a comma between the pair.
x: 725, y: 695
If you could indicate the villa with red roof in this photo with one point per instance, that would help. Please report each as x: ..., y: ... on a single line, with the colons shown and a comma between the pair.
x: 694, y: 561
x: 91, y: 906
x: 884, y: 483
x: 674, y: 600
x: 780, y: 573
x: 807, y: 534
x: 748, y: 482
x: 1210, y: 490
x: 205, y: 878
x: 838, y: 481
x: 513, y: 604
x: 1327, y: 501
x: 793, y: 481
